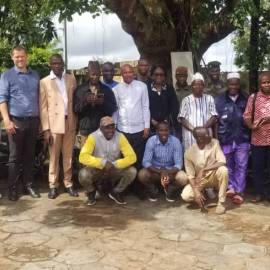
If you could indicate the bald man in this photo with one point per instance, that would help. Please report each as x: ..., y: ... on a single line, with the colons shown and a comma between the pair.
x: 205, y: 166
x: 133, y: 114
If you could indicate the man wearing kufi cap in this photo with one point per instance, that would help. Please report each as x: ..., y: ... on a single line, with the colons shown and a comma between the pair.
x: 107, y: 156
x: 181, y: 87
x: 92, y: 101
x: 214, y: 85
x: 198, y: 109
x: 233, y: 134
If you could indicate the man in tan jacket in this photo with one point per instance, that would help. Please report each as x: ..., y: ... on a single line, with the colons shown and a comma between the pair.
x: 58, y: 122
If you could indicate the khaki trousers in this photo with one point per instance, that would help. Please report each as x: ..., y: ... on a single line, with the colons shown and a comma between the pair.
x: 62, y: 143
x: 217, y: 179
x: 90, y: 178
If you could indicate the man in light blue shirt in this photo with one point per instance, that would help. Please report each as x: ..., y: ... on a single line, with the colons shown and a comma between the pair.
x: 162, y: 162
x: 20, y: 111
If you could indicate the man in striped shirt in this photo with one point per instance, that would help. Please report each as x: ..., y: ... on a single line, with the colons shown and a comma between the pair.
x: 162, y: 162
x: 197, y: 109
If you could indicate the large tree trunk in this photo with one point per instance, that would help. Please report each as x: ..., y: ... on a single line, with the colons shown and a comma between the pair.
x: 253, y: 51
x: 159, y: 27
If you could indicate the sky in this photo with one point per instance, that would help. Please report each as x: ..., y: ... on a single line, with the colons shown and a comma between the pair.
x: 104, y: 39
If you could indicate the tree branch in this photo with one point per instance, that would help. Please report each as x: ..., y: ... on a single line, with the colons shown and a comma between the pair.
x: 221, y: 26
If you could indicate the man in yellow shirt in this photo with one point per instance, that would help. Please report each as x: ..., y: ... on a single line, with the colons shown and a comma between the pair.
x: 205, y: 166
x: 108, y: 156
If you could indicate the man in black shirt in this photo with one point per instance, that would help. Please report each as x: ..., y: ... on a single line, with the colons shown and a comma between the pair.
x: 92, y: 101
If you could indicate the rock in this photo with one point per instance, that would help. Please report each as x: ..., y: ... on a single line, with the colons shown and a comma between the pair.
x: 244, y: 250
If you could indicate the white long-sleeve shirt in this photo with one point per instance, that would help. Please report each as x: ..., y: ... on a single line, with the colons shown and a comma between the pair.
x: 133, y: 114
x: 61, y: 83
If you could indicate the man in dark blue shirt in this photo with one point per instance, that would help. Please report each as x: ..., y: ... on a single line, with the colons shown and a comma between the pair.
x: 20, y: 112
x: 234, y: 135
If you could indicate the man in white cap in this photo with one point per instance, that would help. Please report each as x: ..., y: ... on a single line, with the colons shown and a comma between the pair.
x: 234, y: 135
x: 197, y: 109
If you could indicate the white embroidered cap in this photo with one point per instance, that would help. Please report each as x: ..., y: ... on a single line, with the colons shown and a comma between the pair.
x: 233, y: 75
x: 197, y: 76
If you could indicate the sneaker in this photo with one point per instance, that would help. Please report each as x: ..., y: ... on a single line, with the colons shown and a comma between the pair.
x: 170, y: 194
x: 210, y: 193
x: 117, y: 197
x: 169, y: 199
x: 152, y: 194
x: 91, y: 198
x: 220, y: 209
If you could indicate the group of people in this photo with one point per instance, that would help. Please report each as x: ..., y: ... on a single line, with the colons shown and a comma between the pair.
x: 141, y: 133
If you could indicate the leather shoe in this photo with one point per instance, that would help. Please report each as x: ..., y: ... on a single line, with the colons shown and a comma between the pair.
x: 13, y: 195
x: 30, y: 191
x: 52, y: 193
x: 72, y: 192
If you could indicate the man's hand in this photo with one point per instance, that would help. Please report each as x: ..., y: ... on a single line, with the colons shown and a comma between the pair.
x: 201, y: 174
x: 47, y: 136
x: 199, y: 198
x: 99, y: 100
x: 146, y: 132
x: 265, y: 120
x: 10, y: 126
x: 91, y: 98
x: 108, y: 167
x: 164, y: 178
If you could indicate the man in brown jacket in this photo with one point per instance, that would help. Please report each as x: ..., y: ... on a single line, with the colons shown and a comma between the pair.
x: 58, y: 123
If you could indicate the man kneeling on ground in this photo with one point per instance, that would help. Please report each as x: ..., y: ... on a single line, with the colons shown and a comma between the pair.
x: 205, y: 166
x: 108, y: 157
x: 162, y: 162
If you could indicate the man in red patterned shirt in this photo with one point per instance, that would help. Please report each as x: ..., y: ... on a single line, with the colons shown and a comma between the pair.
x: 257, y: 118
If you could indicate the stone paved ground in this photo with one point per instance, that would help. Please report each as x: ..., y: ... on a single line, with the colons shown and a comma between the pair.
x: 65, y: 234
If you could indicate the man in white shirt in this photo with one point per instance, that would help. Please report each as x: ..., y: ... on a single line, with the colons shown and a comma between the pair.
x: 133, y: 114
x: 58, y: 123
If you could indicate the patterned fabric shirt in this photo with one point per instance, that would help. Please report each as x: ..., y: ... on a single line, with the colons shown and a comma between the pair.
x: 261, y: 136
x: 161, y: 155
x: 197, y: 111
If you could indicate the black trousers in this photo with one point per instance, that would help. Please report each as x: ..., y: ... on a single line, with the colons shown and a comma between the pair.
x: 260, y: 164
x: 137, y: 142
x: 22, y: 151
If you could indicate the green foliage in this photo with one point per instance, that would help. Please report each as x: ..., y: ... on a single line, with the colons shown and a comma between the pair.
x: 242, y: 37
x: 5, y: 59
x: 38, y: 58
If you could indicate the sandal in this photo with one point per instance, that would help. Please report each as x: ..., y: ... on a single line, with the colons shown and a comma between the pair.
x: 230, y: 193
x: 237, y: 199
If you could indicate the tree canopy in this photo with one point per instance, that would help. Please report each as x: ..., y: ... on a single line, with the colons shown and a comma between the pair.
x: 242, y: 37
x: 157, y: 26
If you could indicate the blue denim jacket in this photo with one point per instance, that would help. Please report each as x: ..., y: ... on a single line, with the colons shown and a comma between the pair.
x: 231, y: 127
